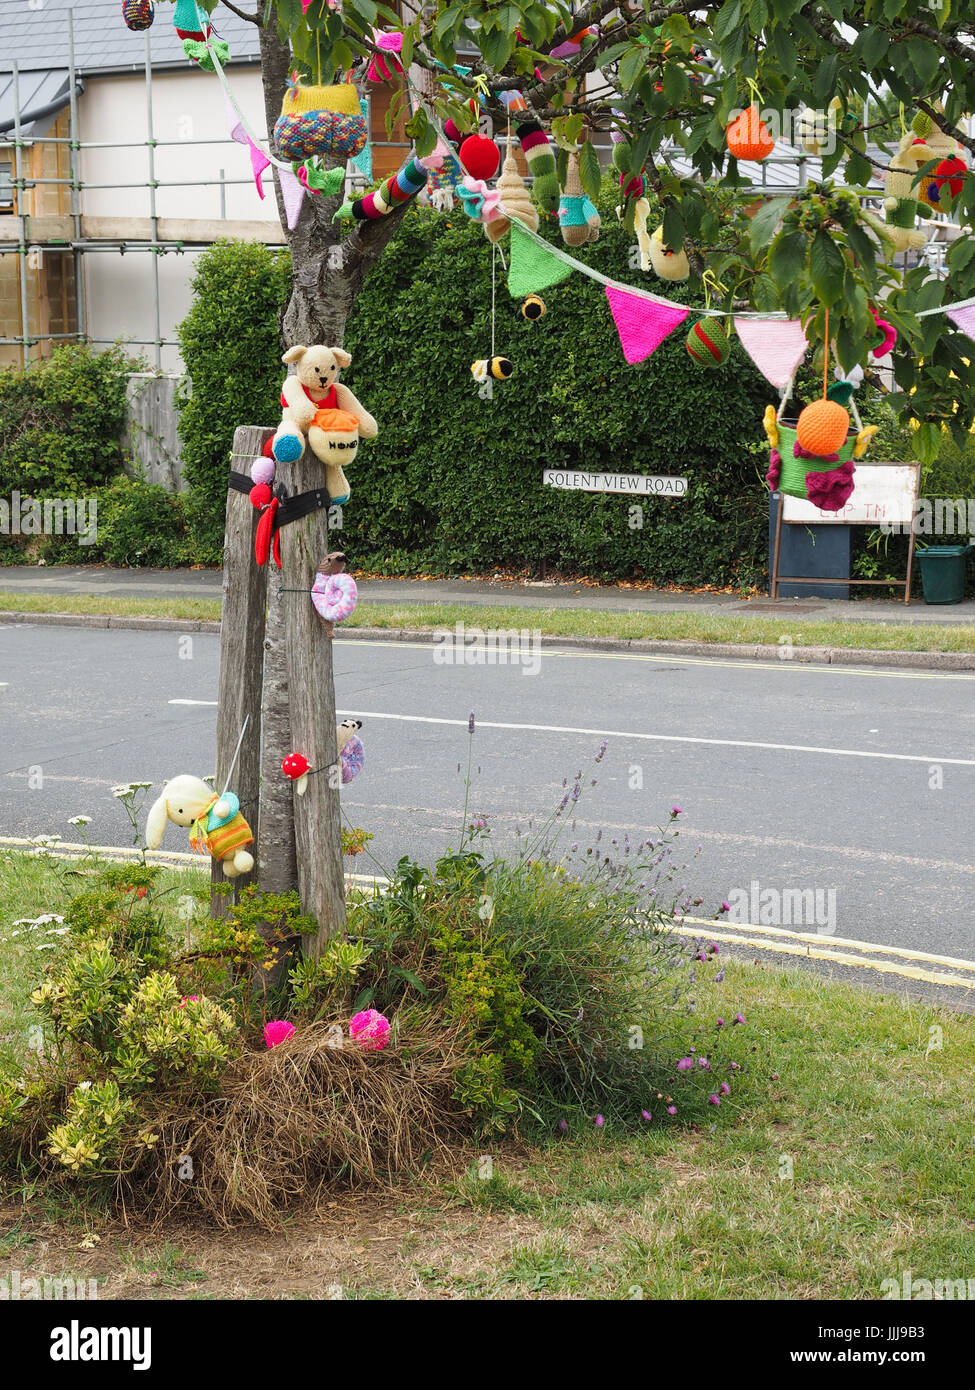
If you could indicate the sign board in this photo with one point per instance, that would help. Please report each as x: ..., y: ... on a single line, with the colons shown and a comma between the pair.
x: 637, y: 484
x: 882, y: 493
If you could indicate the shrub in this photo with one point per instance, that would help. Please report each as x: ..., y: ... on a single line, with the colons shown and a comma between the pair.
x: 61, y: 421
x: 140, y: 524
x: 231, y: 349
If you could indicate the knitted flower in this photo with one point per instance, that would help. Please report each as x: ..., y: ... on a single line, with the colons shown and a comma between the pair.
x: 370, y: 1029
x: 278, y: 1031
x: 481, y: 203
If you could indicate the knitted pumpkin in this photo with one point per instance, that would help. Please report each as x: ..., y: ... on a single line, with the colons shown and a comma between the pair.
x: 707, y: 343
x: 822, y: 428
x: 747, y: 137
x: 320, y: 121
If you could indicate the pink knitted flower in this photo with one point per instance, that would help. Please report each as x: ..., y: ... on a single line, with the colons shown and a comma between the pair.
x: 278, y: 1031
x: 370, y: 1029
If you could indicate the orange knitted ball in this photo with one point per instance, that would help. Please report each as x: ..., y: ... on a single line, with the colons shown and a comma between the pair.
x: 822, y: 428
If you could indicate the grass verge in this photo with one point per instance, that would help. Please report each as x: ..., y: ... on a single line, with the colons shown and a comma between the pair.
x: 558, y: 622
x: 851, y: 1167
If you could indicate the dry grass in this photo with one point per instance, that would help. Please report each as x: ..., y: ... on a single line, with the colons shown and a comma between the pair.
x: 289, y: 1123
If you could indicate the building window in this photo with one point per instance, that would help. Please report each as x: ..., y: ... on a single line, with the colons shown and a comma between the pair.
x: 6, y: 186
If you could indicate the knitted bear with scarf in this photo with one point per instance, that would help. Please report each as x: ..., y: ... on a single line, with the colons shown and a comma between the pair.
x: 315, y: 387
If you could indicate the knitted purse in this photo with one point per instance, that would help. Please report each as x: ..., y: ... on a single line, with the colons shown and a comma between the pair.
x: 320, y: 121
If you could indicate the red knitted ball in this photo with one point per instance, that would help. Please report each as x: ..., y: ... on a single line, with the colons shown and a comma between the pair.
x: 260, y: 495
x: 480, y: 157
x: 634, y: 187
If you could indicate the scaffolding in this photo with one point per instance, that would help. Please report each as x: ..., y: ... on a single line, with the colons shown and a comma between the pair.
x: 77, y: 236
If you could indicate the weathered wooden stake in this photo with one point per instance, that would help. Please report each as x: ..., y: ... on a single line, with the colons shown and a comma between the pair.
x: 311, y: 697
x: 241, y: 653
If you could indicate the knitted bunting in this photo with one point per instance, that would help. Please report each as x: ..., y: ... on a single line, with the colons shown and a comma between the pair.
x: 776, y: 346
x: 533, y: 266
x: 642, y: 323
x: 964, y: 318
x: 291, y: 195
x: 259, y: 160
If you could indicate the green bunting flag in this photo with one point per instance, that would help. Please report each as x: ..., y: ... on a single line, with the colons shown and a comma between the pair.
x: 533, y: 266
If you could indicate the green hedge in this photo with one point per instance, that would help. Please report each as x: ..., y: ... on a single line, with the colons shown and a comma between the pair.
x: 231, y: 350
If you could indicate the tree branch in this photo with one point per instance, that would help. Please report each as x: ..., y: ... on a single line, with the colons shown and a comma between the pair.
x: 250, y: 18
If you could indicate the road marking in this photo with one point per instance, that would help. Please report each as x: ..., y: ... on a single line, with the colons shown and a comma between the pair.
x: 214, y: 703
x: 668, y: 738
x: 841, y: 957
x: 820, y: 938
x: 676, y: 658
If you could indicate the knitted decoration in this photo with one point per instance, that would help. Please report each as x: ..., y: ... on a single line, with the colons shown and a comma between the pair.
x: 480, y: 157
x: 138, y: 14
x: 669, y: 265
x: 747, y: 137
x: 641, y: 214
x: 541, y: 163
x: 481, y: 203
x: 533, y: 308
x: 642, y: 323
x: 578, y: 217
x: 900, y: 203
x: 825, y: 481
x: 964, y: 319
x: 533, y: 266
x: 498, y: 367
x: 514, y: 200
x: 320, y: 121
x: 822, y: 428
x: 775, y: 346
x: 186, y: 21
x: 406, y: 183
x: 707, y: 343
x: 885, y: 337
x: 378, y: 70
x: 333, y: 437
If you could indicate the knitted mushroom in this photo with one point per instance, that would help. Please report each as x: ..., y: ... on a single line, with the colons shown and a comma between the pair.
x: 296, y: 767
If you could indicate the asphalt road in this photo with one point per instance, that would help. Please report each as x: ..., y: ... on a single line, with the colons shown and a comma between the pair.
x: 855, y: 783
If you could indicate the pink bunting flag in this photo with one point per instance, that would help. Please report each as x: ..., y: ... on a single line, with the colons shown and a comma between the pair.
x: 776, y: 346
x: 964, y: 319
x: 642, y: 323
x: 259, y: 160
x: 291, y: 195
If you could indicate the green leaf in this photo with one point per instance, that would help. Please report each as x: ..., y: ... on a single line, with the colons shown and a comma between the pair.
x: 765, y: 294
x: 925, y: 61
x: 784, y: 49
x: 590, y: 173
x: 858, y: 170
x: 787, y: 258
x: 766, y: 220
x: 863, y: 247
x: 632, y: 65
x: 727, y: 21
x: 673, y: 227
x: 824, y: 84
x: 927, y: 442
x: 827, y: 268
x: 871, y: 46
x: 675, y: 84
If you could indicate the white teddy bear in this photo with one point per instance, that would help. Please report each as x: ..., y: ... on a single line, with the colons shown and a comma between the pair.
x: 216, y: 824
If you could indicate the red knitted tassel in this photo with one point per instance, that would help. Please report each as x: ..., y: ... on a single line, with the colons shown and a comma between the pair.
x: 266, y: 529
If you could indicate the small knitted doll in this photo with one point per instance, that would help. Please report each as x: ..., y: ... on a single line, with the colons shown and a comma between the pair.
x: 578, y: 218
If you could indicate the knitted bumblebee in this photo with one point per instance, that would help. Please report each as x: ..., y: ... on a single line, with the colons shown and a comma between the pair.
x: 498, y: 367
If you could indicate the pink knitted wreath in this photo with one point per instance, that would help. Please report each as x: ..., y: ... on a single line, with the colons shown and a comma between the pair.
x: 370, y: 1029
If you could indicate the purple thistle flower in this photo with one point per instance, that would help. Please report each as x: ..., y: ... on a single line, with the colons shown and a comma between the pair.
x: 703, y: 1062
x: 674, y: 812
x: 563, y: 1126
x: 685, y: 1064
x: 600, y: 1121
x: 719, y: 978
x: 735, y: 1066
x: 725, y: 907
x: 714, y: 948
x: 739, y: 1018
x: 719, y: 1023
x: 671, y: 1109
x: 713, y: 1100
x: 725, y: 1089
x: 646, y: 1114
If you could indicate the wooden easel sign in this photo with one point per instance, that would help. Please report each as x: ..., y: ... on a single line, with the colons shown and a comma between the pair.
x: 884, y: 494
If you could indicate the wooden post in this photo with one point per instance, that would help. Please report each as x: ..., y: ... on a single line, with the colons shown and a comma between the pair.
x: 311, y: 696
x: 241, y: 653
x: 277, y: 863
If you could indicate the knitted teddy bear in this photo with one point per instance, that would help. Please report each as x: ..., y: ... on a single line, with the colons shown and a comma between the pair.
x: 216, y: 824
x: 315, y: 388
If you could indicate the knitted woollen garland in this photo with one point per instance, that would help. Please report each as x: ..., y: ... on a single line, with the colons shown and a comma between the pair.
x: 406, y: 183
x: 320, y: 121
x: 138, y: 14
x: 537, y: 150
x: 707, y: 343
